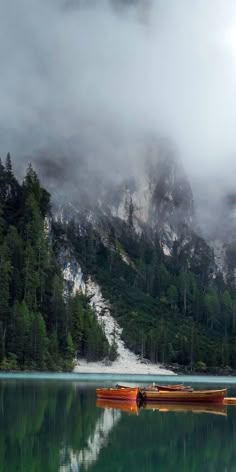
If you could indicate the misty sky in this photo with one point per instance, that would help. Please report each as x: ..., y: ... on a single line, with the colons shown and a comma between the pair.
x: 110, y: 77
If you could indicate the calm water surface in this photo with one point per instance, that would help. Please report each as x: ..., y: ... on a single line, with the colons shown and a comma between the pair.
x: 55, y: 426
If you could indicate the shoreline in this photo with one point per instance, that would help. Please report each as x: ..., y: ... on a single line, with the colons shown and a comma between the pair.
x: 83, y: 369
x: 117, y: 367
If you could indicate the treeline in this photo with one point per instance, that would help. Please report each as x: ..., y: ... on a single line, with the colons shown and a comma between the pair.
x: 176, y: 309
x: 40, y: 328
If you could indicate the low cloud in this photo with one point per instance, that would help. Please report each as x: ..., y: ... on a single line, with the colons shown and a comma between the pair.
x: 93, y: 80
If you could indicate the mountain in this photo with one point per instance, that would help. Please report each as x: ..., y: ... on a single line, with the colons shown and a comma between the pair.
x: 169, y: 291
x: 116, y: 272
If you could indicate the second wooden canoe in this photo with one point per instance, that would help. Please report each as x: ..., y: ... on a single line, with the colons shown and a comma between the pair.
x: 196, y: 396
x: 168, y: 388
x: 171, y: 388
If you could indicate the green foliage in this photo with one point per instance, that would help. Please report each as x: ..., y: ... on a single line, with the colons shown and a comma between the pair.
x: 70, y: 346
x: 172, y: 295
x: 212, y: 307
x: 38, y: 328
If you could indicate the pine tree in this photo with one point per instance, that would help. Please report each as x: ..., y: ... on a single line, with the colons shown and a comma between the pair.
x: 16, y: 254
x: 212, y: 307
x: 39, y: 341
x: 172, y: 295
x: 53, y: 347
x: 57, y: 306
x: 70, y: 347
x: 31, y: 278
x: 77, y: 324
x: 227, y: 309
x: 5, y: 280
x: 22, y: 326
x: 184, y: 288
x: 2, y: 224
x: 8, y: 164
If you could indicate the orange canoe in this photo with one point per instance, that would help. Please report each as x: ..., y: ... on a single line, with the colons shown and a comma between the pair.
x: 180, y: 396
x: 130, y: 394
x: 122, y: 405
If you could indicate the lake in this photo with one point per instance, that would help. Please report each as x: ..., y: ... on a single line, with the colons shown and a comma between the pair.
x: 53, y: 424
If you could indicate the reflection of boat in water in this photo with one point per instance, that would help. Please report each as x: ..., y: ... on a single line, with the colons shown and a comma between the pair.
x: 187, y: 407
x: 133, y: 408
x: 122, y: 405
x: 230, y: 401
x: 181, y: 396
x: 122, y: 393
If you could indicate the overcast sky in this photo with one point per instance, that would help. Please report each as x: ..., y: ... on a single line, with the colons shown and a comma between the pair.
x: 111, y: 76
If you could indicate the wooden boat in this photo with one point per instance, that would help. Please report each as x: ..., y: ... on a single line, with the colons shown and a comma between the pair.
x: 171, y: 388
x: 168, y: 388
x: 122, y: 405
x: 196, y: 396
x: 126, y: 393
x: 214, y: 409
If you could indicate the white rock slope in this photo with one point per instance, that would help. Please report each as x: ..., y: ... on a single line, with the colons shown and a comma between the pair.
x: 127, y: 361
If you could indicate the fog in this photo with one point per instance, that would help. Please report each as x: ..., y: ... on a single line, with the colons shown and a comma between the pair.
x: 95, y: 80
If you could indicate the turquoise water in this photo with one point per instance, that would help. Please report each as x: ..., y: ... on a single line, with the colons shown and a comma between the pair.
x: 125, y: 377
x: 50, y: 425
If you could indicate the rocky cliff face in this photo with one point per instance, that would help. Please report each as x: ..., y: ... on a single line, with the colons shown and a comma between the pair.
x: 160, y: 199
x: 157, y: 200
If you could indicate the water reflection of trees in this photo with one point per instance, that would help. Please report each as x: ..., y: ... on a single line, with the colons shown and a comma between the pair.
x: 39, y: 420
x: 171, y: 442
x: 55, y: 427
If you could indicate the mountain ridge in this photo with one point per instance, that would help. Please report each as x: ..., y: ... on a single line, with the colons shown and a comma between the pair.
x: 157, y: 279
x: 148, y: 233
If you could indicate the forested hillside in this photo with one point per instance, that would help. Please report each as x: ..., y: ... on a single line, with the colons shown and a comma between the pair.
x: 173, y: 309
x: 41, y: 327
x: 176, y: 309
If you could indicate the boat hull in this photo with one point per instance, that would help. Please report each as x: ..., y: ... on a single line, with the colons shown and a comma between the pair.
x: 196, y: 396
x: 127, y: 394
